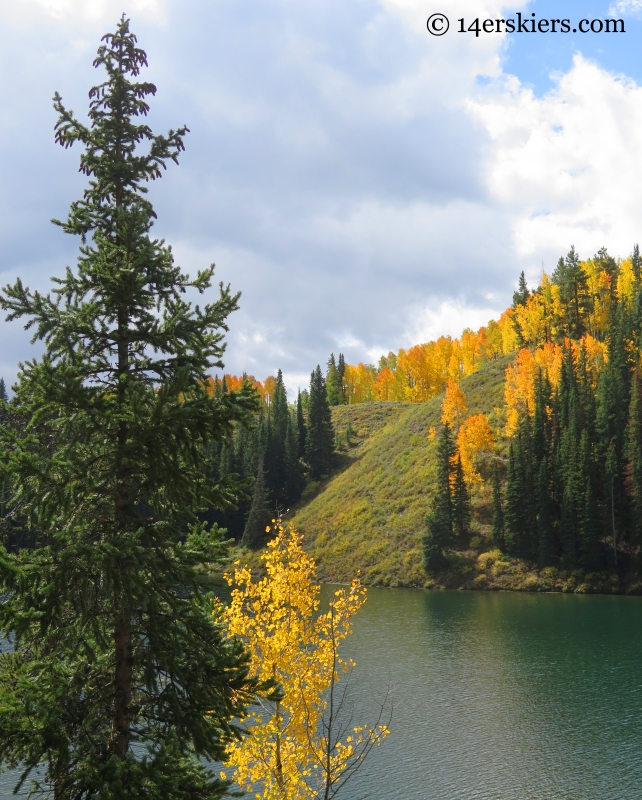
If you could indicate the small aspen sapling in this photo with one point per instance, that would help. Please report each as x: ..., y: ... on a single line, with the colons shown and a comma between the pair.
x: 300, y: 743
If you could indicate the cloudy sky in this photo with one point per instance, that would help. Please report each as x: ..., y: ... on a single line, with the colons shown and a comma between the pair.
x: 366, y: 185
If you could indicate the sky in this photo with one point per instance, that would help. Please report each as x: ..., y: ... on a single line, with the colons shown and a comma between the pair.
x: 366, y: 185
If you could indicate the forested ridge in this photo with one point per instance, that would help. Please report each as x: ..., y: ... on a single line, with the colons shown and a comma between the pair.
x: 549, y: 473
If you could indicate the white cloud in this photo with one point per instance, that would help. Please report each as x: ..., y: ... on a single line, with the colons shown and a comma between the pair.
x: 567, y: 167
x: 449, y: 318
x: 625, y: 7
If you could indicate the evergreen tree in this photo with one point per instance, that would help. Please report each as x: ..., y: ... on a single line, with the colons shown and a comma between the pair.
x: 515, y: 515
x: 319, y: 443
x: 571, y: 279
x: 545, y: 518
x: 341, y: 372
x: 498, y: 533
x: 294, y: 472
x: 439, y: 522
x: 636, y: 261
x: 461, y: 513
x: 260, y: 516
x: 274, y: 454
x: 3, y: 392
x: 634, y: 455
x: 522, y: 294
x: 611, y: 426
x: 115, y: 646
x: 333, y: 383
x: 300, y: 424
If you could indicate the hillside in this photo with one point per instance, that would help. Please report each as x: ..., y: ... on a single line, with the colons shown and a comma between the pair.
x: 370, y: 514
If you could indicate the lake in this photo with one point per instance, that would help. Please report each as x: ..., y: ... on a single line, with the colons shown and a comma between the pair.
x: 499, y: 696
x: 504, y: 696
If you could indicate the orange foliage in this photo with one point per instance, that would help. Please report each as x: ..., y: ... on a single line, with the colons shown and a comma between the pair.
x: 454, y: 406
x: 384, y: 384
x: 519, y: 388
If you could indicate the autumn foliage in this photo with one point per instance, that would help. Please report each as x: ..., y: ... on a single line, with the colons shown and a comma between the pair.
x: 294, y: 748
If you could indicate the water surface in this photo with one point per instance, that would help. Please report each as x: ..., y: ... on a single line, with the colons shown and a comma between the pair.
x: 503, y: 696
x: 499, y: 696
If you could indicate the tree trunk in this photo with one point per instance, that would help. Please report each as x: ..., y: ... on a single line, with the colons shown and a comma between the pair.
x: 122, y: 684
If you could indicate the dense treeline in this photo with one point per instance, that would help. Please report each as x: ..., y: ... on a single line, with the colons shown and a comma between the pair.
x: 288, y: 446
x: 569, y: 491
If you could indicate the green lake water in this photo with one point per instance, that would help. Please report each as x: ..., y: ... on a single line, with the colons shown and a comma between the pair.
x: 499, y: 696
x: 503, y: 696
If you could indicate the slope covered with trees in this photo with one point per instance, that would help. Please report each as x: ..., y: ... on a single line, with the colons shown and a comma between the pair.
x: 542, y: 469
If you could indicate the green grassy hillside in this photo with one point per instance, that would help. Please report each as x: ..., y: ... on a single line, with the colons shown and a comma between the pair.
x: 370, y: 514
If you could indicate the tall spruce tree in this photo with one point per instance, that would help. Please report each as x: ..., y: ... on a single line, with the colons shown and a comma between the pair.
x: 439, y: 522
x: 522, y: 294
x: 341, y: 372
x: 255, y: 533
x: 571, y: 279
x: 461, y: 511
x: 294, y: 470
x: 498, y: 532
x: 319, y: 444
x: 115, y: 646
x: 275, y: 460
x: 634, y: 455
x: 636, y: 262
x: 300, y: 426
x: 333, y: 383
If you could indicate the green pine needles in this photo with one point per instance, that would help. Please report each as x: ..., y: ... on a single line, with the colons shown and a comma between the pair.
x: 120, y: 683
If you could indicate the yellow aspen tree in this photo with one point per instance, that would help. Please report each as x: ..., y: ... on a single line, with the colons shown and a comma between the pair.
x: 519, y: 388
x: 292, y: 750
x: 454, y: 407
x: 510, y: 339
x: 475, y: 436
x: 626, y: 283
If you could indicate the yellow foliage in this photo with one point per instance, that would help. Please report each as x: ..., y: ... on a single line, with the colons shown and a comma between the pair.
x: 626, y: 283
x: 532, y: 319
x: 288, y: 752
x: 475, y: 436
x: 510, y: 340
x: 360, y: 383
x: 519, y: 388
x: 454, y: 406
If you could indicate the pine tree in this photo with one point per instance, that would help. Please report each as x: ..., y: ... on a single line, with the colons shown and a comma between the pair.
x: 3, y: 392
x: 636, y: 261
x: 461, y: 512
x: 439, y: 522
x: 115, y: 646
x: 498, y: 533
x: 515, y: 512
x: 300, y: 424
x: 260, y: 516
x: 545, y: 518
x: 611, y: 426
x: 341, y: 372
x: 571, y: 279
x: 522, y: 294
x: 294, y: 472
x: 319, y: 445
x: 274, y: 455
x: 333, y: 383
x: 634, y: 455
